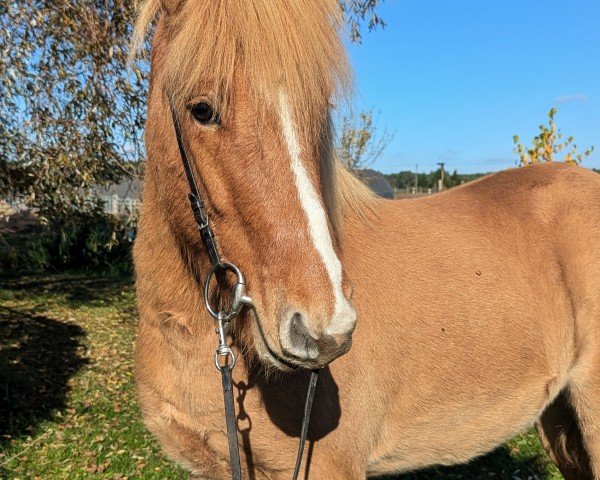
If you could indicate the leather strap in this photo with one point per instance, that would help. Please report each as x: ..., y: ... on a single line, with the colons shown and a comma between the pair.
x: 208, y: 239
x: 310, y: 395
x: 198, y: 208
x: 231, y: 421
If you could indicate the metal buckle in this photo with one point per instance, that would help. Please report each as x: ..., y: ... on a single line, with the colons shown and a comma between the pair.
x: 238, y: 293
x: 223, y: 350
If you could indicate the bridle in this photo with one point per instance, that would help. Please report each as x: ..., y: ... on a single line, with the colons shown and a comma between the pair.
x: 224, y: 357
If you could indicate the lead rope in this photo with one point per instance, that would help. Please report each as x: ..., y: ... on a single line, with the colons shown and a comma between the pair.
x: 223, y: 319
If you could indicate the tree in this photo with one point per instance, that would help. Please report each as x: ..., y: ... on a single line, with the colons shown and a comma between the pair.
x: 357, y: 12
x: 72, y: 113
x: 359, y: 143
x: 406, y: 179
x: 548, y: 145
x: 453, y: 180
x: 72, y: 108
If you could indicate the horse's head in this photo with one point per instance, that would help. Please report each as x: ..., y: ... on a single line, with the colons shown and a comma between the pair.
x: 252, y: 84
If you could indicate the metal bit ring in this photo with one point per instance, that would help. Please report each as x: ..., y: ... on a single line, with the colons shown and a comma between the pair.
x: 238, y: 292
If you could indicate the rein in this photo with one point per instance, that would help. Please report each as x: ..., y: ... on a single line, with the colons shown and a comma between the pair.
x: 224, y: 357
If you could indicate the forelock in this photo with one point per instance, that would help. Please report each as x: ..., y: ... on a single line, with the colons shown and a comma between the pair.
x: 290, y: 46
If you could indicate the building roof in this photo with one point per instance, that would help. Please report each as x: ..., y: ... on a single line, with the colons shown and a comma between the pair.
x: 376, y: 182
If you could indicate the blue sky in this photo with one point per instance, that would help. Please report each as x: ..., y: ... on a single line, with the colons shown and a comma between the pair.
x: 455, y: 80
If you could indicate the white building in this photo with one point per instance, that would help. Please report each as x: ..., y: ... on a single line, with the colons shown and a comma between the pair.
x: 123, y: 198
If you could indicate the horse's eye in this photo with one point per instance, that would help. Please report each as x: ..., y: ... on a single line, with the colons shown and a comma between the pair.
x: 204, y: 114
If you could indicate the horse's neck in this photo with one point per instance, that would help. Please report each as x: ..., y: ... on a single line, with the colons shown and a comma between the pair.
x: 369, y: 248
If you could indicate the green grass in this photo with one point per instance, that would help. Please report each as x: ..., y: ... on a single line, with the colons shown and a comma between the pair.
x: 67, y: 399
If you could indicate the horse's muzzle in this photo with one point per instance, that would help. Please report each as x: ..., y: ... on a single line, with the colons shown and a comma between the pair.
x: 301, y: 344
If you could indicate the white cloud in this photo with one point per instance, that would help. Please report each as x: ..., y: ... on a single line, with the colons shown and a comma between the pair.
x: 574, y: 97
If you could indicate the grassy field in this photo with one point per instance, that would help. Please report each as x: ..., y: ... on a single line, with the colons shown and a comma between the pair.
x: 67, y: 400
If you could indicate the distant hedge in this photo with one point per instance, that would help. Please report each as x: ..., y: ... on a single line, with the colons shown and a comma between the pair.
x: 98, y: 242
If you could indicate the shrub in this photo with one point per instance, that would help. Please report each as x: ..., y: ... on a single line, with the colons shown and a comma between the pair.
x: 548, y: 145
x: 88, y: 242
x: 23, y: 253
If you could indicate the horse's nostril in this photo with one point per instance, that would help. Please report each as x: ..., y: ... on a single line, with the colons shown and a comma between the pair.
x: 302, y: 342
x: 295, y: 323
x: 296, y: 338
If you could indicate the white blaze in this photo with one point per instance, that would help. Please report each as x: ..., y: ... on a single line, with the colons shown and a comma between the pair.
x: 344, y: 316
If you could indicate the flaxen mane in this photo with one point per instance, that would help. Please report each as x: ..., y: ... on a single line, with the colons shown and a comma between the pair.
x: 281, y: 49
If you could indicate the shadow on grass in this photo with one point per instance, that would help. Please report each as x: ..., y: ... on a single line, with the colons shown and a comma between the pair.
x: 38, y: 356
x: 77, y: 289
x: 499, y: 464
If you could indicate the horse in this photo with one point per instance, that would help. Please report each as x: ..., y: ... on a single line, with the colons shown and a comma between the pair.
x: 442, y: 325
